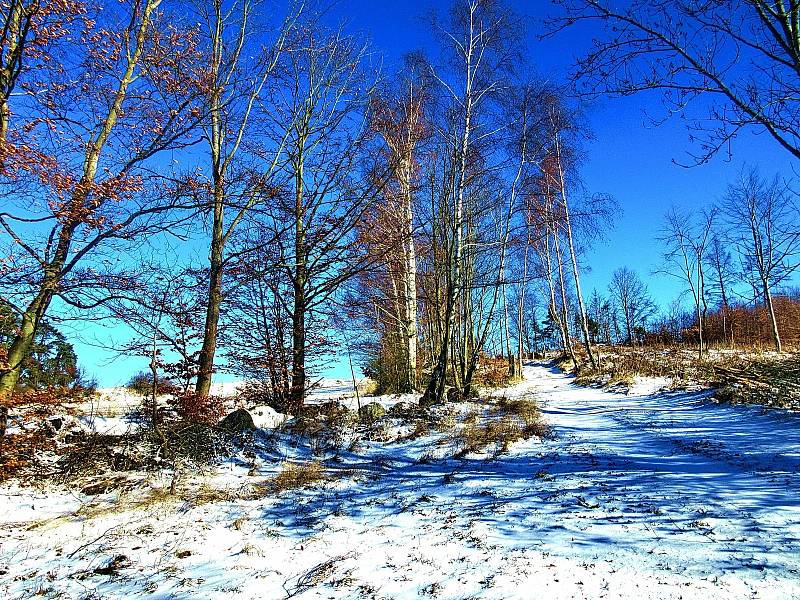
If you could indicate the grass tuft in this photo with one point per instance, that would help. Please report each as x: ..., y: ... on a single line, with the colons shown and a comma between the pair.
x: 298, y: 476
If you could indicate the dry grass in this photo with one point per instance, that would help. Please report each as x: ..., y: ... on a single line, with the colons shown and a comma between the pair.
x: 528, y: 412
x: 771, y: 382
x: 445, y: 419
x: 740, y: 376
x: 619, y: 365
x: 297, y: 476
x: 497, y: 434
x: 367, y: 387
x: 491, y: 372
x: 510, y: 421
x: 18, y: 453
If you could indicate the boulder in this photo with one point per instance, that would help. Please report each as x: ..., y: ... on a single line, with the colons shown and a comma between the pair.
x: 405, y: 410
x: 237, y: 422
x: 369, y: 413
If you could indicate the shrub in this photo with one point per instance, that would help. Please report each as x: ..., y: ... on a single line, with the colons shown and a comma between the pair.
x: 491, y: 372
x: 18, y: 451
x: 530, y: 415
x: 142, y: 384
x: 513, y: 420
x: 199, y: 409
x: 262, y: 393
x: 499, y: 433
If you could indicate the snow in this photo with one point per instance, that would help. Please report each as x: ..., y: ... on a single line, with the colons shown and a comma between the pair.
x: 327, y: 389
x: 266, y: 417
x: 641, y: 495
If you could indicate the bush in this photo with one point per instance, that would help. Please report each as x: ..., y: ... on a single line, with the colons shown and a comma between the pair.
x: 406, y: 411
x: 530, y: 415
x: 475, y: 437
x: 513, y: 420
x: 199, y: 409
x: 142, y: 384
x: 491, y: 372
x: 261, y: 393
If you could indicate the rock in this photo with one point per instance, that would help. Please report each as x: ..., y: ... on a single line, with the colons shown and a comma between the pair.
x: 371, y: 412
x: 64, y: 428
x: 266, y: 417
x: 454, y: 395
x: 237, y: 422
x: 113, y: 566
x: 405, y: 410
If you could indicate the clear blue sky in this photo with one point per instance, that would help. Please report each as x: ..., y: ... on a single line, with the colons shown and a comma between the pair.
x: 628, y: 158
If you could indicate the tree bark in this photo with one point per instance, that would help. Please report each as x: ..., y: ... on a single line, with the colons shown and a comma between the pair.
x: 773, y: 321
x: 299, y: 285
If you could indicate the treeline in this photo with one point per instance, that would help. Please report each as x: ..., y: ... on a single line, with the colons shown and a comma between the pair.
x: 247, y: 191
x: 240, y: 188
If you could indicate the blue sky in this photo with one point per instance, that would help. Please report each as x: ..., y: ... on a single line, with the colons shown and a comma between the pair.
x: 628, y: 157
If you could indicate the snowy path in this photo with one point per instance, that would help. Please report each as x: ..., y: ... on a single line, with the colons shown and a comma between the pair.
x: 638, y: 496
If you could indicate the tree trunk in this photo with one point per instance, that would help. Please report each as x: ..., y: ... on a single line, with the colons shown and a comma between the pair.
x: 214, y: 301
x: 564, y: 312
x: 16, y: 27
x: 772, y: 320
x: 299, y: 285
x: 434, y: 393
x: 20, y: 348
x: 628, y: 325
x: 521, y: 312
x: 154, y: 385
x: 409, y: 277
x: 54, y: 270
x: 568, y: 223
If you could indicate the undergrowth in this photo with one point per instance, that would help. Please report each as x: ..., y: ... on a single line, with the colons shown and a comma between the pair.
x: 738, y: 376
x: 507, y: 422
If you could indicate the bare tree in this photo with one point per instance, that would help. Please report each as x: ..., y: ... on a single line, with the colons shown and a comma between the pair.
x: 633, y: 300
x: 763, y: 219
x: 555, y: 165
x: 479, y: 40
x: 743, y: 57
x: 401, y: 121
x: 239, y: 72
x: 723, y: 275
x: 542, y: 220
x: 329, y: 173
x: 130, y: 96
x: 686, y: 237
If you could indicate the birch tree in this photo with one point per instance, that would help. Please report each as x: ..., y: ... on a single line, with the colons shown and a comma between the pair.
x: 763, y: 218
x: 479, y: 40
x: 401, y: 122
x: 723, y: 274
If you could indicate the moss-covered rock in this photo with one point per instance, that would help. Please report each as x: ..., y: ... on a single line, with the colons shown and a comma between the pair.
x: 369, y: 413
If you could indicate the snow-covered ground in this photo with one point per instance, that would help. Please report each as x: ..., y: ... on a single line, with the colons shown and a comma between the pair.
x: 645, y: 495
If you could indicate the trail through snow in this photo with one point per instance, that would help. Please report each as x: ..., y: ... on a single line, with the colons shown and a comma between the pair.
x: 646, y: 495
